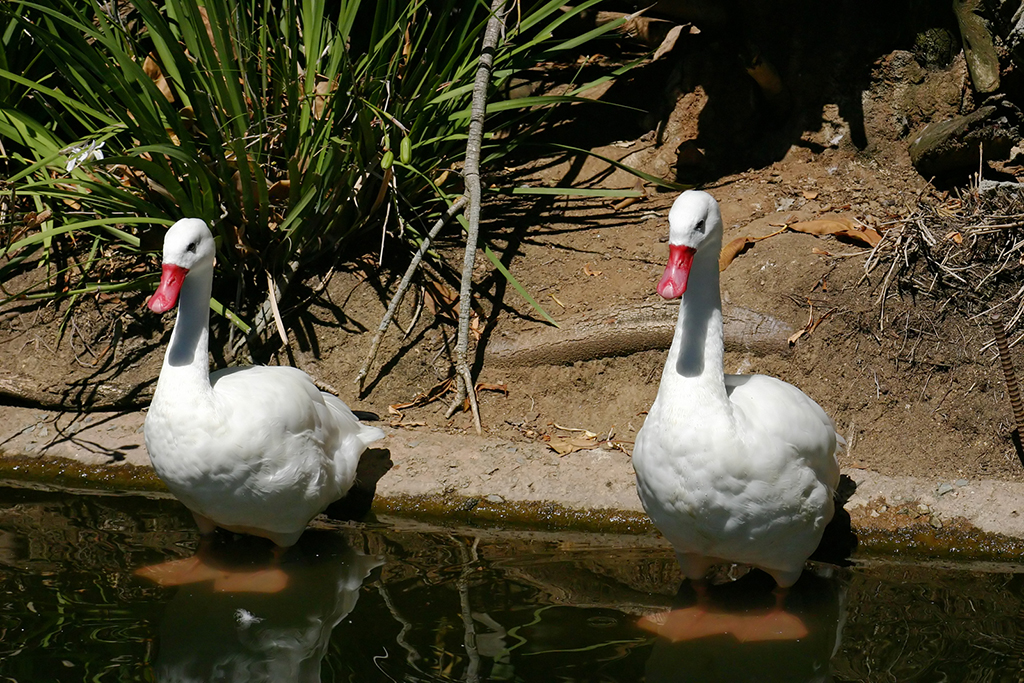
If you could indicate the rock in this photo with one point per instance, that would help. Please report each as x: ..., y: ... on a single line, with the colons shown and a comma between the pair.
x: 944, y: 488
x: 953, y: 146
x: 935, y: 47
x: 494, y: 498
x: 979, y: 47
x: 1000, y: 188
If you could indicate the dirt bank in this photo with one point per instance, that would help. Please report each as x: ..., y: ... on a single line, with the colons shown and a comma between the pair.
x: 911, y: 380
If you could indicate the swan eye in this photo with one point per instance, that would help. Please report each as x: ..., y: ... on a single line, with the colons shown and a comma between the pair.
x: 699, y: 227
x: 191, y: 247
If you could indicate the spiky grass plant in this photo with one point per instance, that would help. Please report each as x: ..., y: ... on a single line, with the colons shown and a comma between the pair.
x: 289, y: 127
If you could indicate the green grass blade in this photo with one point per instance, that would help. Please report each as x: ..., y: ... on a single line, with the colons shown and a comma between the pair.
x: 516, y: 286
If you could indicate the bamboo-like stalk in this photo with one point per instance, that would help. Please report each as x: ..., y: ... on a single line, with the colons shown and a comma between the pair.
x: 1006, y: 361
x: 464, y: 377
x: 1012, y: 387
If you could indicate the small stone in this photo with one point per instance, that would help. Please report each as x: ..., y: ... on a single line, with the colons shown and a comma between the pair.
x: 44, y: 432
x: 874, y: 513
x: 944, y: 488
x: 412, y: 444
x: 935, y: 522
x: 961, y: 482
x: 494, y: 498
x: 883, y: 508
x: 923, y: 509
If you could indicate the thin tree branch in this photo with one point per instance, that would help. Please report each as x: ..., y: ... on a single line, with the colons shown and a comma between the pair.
x: 403, y: 286
x: 465, y: 386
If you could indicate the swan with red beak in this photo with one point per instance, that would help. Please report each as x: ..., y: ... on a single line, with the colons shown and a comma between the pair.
x: 731, y: 468
x: 256, y: 450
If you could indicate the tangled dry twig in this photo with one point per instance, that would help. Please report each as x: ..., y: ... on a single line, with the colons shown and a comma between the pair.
x: 968, y: 249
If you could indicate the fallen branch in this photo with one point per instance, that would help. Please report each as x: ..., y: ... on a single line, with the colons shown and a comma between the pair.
x: 474, y: 141
x: 623, y: 330
x: 403, y: 286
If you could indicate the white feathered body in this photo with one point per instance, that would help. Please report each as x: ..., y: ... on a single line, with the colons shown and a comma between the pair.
x: 258, y: 449
x: 754, y: 486
x: 270, y: 451
x: 730, y: 468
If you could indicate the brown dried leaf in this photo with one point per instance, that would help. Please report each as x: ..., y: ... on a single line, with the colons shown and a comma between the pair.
x: 279, y: 190
x: 732, y: 250
x: 323, y: 88
x: 431, y: 395
x: 565, y: 446
x: 153, y: 70
x: 840, y: 227
x: 476, y: 327
x: 956, y: 237
x: 808, y: 194
x: 501, y: 388
x: 588, y: 271
x: 441, y: 299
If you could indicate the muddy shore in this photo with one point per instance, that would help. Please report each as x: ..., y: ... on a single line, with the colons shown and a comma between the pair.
x: 490, y: 481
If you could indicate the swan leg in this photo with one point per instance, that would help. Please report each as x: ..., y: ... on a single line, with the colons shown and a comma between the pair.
x: 785, y: 577
x: 695, y: 567
x: 206, y: 525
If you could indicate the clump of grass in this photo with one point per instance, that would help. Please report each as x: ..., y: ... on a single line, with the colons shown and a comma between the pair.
x: 291, y: 130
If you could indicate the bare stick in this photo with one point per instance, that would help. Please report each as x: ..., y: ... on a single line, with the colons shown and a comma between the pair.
x: 465, y: 386
x: 403, y: 286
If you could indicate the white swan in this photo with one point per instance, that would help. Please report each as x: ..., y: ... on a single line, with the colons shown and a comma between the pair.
x: 255, y: 450
x: 730, y: 468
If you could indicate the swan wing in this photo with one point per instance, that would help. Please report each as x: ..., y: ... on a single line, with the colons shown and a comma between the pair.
x: 770, y: 411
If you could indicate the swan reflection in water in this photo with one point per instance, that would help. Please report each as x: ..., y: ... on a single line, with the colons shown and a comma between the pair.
x: 725, y: 639
x: 230, y: 624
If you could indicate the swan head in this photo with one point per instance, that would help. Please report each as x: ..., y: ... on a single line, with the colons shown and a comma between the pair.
x: 188, y: 245
x: 693, y: 217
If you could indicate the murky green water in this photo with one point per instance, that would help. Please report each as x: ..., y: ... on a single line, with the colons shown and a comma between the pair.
x: 392, y: 601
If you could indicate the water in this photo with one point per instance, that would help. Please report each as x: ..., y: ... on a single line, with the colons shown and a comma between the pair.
x: 400, y: 601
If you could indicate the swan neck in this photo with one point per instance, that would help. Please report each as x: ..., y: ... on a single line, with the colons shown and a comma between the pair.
x: 697, y: 351
x: 187, y: 352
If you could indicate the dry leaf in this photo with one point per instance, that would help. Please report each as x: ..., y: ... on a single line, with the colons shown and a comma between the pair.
x: 628, y: 201
x: 820, y: 252
x: 956, y: 237
x: 807, y: 194
x: 322, y: 89
x: 811, y: 325
x: 153, y: 70
x: 279, y: 190
x: 33, y: 219
x: 839, y: 227
x: 588, y: 271
x: 441, y: 299
x: 431, y: 395
x: 476, y: 327
x: 732, y: 250
x: 483, y: 386
x: 565, y: 446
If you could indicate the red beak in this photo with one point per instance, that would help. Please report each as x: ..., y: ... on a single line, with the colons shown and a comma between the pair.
x: 166, y: 294
x: 677, y: 272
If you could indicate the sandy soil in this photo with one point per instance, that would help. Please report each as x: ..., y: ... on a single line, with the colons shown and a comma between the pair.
x: 912, y: 384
